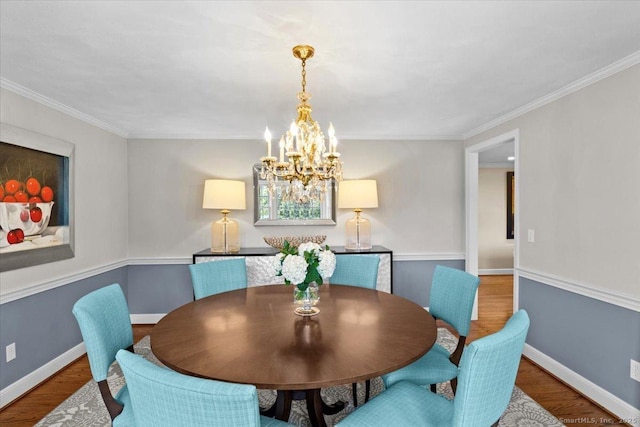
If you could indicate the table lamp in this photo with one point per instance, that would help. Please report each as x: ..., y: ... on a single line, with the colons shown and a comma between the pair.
x: 224, y: 194
x: 356, y: 195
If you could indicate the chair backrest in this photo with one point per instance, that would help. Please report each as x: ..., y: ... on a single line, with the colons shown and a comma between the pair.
x: 103, y: 317
x: 160, y: 396
x: 452, y: 294
x: 214, y: 277
x: 488, y: 372
x: 356, y: 270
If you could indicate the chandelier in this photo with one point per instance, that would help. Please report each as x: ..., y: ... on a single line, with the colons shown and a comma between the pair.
x: 311, y: 162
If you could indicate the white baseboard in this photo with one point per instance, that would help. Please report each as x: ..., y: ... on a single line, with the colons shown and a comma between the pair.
x: 610, y: 402
x: 26, y: 383
x: 146, y: 319
x: 495, y: 271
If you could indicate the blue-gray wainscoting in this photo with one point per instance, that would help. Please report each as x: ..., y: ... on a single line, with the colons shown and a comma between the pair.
x: 412, y: 279
x: 593, y: 338
x: 43, y: 327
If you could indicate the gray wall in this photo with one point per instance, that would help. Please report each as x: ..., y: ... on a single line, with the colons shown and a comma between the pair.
x: 578, y: 186
x: 100, y: 182
x: 420, y: 194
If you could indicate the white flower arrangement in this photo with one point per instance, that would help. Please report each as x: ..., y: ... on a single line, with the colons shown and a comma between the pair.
x: 305, y: 264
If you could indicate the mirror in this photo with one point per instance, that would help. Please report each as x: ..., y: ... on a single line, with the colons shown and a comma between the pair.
x: 272, y: 210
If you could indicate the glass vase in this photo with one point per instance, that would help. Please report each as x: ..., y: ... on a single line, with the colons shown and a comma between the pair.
x: 306, y: 299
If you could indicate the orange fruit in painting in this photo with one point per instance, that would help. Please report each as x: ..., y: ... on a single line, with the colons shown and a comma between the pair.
x: 21, y: 196
x: 12, y: 186
x: 9, y: 199
x: 46, y: 194
x: 33, y: 186
x: 1, y: 191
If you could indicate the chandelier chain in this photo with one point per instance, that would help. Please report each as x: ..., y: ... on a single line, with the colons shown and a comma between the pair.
x: 304, y: 75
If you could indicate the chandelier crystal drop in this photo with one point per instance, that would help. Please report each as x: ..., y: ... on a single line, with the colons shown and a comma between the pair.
x: 311, y: 162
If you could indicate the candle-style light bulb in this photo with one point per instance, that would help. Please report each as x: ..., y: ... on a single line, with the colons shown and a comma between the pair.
x: 267, y: 137
x: 293, y: 128
x: 282, y: 149
x: 332, y: 131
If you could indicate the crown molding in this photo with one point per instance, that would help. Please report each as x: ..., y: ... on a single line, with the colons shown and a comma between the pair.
x: 41, y: 99
x: 252, y: 137
x: 595, y: 77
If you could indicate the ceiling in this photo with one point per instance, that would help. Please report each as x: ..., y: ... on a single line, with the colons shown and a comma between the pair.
x: 382, y: 69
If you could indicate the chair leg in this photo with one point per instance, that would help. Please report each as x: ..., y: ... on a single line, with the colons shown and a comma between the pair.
x: 454, y: 385
x: 367, y: 390
x: 433, y: 388
x: 354, y: 390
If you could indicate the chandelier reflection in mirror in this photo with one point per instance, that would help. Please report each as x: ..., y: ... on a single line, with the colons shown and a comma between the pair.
x: 311, y: 162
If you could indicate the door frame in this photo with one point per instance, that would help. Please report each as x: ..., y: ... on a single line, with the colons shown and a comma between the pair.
x: 471, y: 206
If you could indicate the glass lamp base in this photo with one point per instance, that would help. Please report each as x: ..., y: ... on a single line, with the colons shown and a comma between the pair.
x: 358, y: 234
x: 225, y: 236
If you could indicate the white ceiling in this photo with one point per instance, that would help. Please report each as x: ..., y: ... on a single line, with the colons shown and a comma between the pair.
x: 382, y: 69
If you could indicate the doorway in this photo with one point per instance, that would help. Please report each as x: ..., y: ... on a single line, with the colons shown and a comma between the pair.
x: 472, y: 164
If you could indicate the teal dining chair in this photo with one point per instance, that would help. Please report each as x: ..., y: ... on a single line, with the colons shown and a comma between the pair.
x: 452, y: 294
x: 356, y: 270
x: 214, y: 277
x: 361, y: 271
x: 162, y: 397
x: 488, y: 372
x: 105, y: 325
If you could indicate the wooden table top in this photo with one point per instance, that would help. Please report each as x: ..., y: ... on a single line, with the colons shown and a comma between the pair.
x: 252, y: 336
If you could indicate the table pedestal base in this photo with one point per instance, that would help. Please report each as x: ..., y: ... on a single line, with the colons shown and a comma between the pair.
x: 316, y: 407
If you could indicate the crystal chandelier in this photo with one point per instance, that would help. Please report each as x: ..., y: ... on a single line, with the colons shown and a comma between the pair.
x: 310, y: 164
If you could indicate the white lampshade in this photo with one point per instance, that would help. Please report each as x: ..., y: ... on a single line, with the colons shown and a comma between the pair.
x: 224, y: 194
x: 358, y: 194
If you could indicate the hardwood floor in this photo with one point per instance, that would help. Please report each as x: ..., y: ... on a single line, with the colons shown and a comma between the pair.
x: 495, y: 307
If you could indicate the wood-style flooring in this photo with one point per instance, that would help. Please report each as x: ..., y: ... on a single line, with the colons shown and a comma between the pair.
x: 495, y: 307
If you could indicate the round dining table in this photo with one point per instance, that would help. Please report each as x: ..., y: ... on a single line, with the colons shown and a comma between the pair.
x: 253, y: 336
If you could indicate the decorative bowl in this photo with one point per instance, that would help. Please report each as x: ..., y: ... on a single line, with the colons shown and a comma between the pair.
x: 278, y: 241
x: 12, y: 217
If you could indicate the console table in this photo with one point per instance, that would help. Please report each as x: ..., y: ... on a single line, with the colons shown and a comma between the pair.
x: 259, y: 259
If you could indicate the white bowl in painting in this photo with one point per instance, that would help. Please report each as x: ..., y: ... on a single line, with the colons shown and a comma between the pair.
x: 17, y: 215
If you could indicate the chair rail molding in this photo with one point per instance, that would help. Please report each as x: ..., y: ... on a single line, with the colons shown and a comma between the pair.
x: 584, y: 289
x: 61, y: 281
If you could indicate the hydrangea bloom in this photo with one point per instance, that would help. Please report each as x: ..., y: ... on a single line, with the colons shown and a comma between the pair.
x: 294, y: 268
x: 327, y: 263
x: 309, y: 247
x: 304, y: 265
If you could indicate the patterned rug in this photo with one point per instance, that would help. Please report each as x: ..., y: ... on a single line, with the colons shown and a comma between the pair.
x: 85, y: 408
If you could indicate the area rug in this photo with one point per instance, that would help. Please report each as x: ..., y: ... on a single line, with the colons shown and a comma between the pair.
x: 85, y: 408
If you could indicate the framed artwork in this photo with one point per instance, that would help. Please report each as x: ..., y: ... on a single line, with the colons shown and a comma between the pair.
x: 36, y: 198
x: 511, y: 204
x: 271, y: 209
